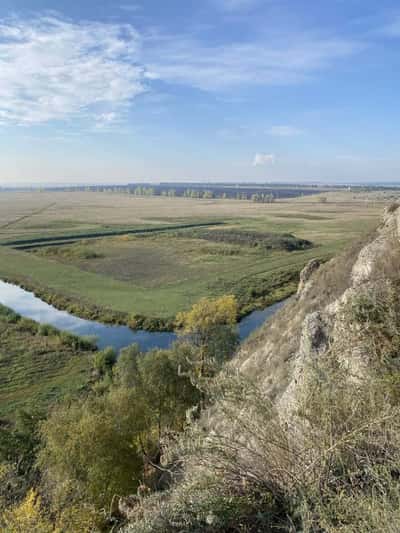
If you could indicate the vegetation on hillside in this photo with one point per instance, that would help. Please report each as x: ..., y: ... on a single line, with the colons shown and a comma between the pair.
x: 177, y: 440
x: 139, y: 432
x: 145, y: 279
x: 264, y: 241
x: 38, y: 363
x: 333, y: 469
x: 63, y: 470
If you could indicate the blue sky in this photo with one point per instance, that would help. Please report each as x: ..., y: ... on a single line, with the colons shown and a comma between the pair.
x: 251, y: 90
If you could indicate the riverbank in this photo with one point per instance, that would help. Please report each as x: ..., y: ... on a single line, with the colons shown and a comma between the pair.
x: 115, y: 336
x: 43, y: 362
x: 144, y: 279
x: 39, y: 365
x: 269, y: 291
x: 152, y: 276
x: 89, y: 311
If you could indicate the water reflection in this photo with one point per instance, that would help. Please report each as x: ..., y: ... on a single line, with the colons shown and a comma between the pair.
x: 28, y: 305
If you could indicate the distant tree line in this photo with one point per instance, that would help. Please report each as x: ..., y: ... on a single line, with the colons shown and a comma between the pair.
x: 263, y: 198
x: 207, y: 194
x: 255, y: 193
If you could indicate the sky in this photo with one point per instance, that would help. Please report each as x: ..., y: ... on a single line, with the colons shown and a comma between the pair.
x: 102, y: 91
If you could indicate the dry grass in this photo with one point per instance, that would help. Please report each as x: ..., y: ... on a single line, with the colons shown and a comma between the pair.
x: 272, y: 347
x: 27, y: 213
x: 332, y: 467
x: 165, y: 274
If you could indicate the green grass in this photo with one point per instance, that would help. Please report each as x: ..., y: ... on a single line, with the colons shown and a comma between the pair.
x: 159, y: 277
x: 37, y: 367
x: 37, y: 241
x: 161, y: 274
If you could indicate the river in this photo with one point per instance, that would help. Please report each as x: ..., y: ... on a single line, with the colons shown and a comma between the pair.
x: 30, y: 306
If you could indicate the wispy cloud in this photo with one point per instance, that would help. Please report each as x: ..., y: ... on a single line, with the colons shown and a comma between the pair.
x: 52, y: 69
x: 104, y: 121
x: 215, y: 68
x: 284, y: 131
x: 261, y: 159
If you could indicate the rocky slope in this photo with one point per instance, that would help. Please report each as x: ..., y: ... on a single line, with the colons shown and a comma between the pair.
x: 321, y: 443
x: 313, y: 321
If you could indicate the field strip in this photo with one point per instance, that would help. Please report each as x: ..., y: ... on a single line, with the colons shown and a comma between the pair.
x: 25, y: 244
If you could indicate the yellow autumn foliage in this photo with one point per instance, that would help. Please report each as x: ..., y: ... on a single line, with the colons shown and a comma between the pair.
x: 27, y: 517
x: 207, y: 314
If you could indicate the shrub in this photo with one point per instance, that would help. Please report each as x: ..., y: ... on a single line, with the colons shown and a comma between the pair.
x: 92, y: 449
x: 103, y: 362
x: 392, y: 207
x: 27, y: 516
x: 76, y: 342
x: 333, y: 467
x: 9, y: 315
x: 47, y: 330
x: 267, y: 241
x: 28, y: 325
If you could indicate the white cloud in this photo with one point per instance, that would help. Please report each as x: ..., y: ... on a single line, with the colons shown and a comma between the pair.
x: 51, y: 69
x: 261, y: 159
x: 284, y: 131
x: 214, y: 68
x: 105, y: 120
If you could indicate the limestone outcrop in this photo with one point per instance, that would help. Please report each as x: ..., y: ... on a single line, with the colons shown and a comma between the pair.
x: 314, y: 320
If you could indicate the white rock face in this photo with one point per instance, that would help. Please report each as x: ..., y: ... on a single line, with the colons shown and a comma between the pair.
x: 306, y: 274
x: 306, y: 337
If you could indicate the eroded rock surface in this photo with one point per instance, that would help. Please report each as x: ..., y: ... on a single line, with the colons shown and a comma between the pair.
x: 308, y: 327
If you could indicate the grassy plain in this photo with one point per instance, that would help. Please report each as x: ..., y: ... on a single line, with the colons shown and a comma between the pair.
x: 161, y: 274
x: 37, y: 369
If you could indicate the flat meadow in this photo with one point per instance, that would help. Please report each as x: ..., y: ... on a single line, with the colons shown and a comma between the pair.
x: 158, y: 274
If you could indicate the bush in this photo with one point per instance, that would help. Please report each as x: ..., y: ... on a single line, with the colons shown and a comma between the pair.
x: 103, y: 362
x: 9, y: 315
x: 28, y: 325
x: 333, y: 467
x: 47, y: 330
x: 92, y: 449
x: 27, y: 516
x: 266, y: 241
x: 76, y: 342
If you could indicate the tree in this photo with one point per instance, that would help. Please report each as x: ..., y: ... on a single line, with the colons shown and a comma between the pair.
x: 92, y: 448
x: 269, y: 198
x: 103, y: 445
x: 155, y: 377
x: 125, y: 371
x: 208, y: 195
x: 211, y: 327
x: 19, y: 443
x: 103, y: 362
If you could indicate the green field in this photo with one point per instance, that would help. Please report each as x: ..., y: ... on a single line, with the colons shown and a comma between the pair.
x: 157, y: 275
x: 35, y: 369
